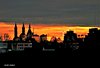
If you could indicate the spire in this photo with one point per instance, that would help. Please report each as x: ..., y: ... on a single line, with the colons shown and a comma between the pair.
x: 29, y: 33
x: 23, y: 24
x: 29, y: 30
x: 15, y: 31
x: 29, y: 26
x: 15, y: 25
x: 23, y: 29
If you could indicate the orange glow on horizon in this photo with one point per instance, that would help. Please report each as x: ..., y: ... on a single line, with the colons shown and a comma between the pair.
x: 50, y: 30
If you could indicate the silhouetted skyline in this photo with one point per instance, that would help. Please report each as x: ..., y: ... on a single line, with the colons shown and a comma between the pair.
x: 62, y: 21
x: 31, y: 44
x: 50, y: 30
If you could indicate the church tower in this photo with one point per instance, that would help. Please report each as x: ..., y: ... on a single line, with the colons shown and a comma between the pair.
x: 22, y: 35
x: 23, y: 29
x: 15, y: 31
x: 29, y: 33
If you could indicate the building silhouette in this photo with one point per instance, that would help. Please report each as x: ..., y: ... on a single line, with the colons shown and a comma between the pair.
x: 71, y: 44
x: 29, y: 33
x: 23, y: 30
x: 43, y: 38
x: 15, y: 32
x: 93, y: 38
x: 22, y: 35
x: 59, y: 40
x: 70, y: 37
x: 36, y: 37
x: 53, y: 38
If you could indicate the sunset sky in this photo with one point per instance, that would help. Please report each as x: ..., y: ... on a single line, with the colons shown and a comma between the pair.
x: 50, y: 30
x: 51, y: 17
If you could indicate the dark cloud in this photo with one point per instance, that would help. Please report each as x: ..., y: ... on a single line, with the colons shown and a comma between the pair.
x: 51, y: 11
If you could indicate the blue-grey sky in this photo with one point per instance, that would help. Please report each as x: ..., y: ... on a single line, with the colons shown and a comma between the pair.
x: 78, y: 12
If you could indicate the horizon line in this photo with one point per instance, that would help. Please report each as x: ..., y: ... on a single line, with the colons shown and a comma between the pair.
x: 49, y: 24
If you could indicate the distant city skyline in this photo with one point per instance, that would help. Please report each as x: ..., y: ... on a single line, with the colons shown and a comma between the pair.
x: 50, y: 30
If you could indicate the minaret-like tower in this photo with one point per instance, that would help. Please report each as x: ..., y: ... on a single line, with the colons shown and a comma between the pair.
x: 29, y: 33
x: 23, y: 29
x: 15, y: 31
x: 29, y: 30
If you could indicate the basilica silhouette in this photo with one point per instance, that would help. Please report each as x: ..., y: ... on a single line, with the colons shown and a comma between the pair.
x: 23, y: 37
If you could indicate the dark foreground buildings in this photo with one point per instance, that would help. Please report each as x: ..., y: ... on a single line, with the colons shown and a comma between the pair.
x: 32, y: 47
x: 33, y: 44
